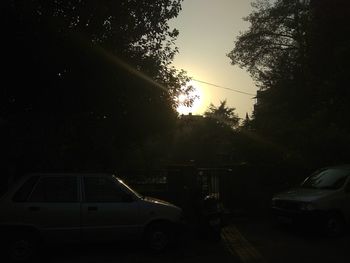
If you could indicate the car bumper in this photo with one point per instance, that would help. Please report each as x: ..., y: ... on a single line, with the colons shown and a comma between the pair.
x: 313, y: 217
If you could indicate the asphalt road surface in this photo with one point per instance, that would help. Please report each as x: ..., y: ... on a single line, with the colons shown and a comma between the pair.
x: 191, y: 248
x: 262, y: 240
x: 246, y: 240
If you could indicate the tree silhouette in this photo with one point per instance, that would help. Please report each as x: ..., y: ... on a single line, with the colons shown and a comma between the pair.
x: 86, y: 80
x: 223, y: 114
x: 277, y: 34
x: 297, y: 52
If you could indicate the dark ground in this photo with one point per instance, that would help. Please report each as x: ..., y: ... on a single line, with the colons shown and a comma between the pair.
x: 191, y: 248
x: 283, y: 243
x: 245, y: 239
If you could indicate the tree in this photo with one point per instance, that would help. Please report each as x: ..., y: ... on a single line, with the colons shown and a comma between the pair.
x: 201, y: 141
x: 297, y: 52
x: 87, y: 79
x: 223, y: 115
x: 56, y: 39
x: 277, y: 32
x: 274, y: 51
x: 246, y: 124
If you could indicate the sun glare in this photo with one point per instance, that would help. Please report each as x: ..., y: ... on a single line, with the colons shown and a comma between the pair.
x: 197, y: 103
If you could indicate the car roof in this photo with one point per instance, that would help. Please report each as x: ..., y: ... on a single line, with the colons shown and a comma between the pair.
x: 26, y: 176
x: 22, y: 179
x: 67, y: 174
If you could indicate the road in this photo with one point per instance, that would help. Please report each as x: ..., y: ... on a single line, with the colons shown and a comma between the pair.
x: 247, y: 240
x: 191, y: 248
x: 276, y: 243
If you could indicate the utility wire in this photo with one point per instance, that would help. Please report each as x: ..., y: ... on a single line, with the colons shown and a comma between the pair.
x: 221, y: 87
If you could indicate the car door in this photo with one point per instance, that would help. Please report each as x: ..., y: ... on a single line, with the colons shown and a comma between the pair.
x: 108, y: 212
x: 54, y: 208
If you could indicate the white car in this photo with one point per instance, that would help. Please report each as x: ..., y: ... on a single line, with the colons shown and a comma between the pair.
x: 70, y: 208
x: 323, y: 199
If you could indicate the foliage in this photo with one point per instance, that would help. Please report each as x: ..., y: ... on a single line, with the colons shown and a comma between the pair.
x: 223, y: 115
x: 208, y: 140
x: 86, y: 80
x: 246, y: 124
x: 201, y: 141
x: 276, y: 35
x: 298, y: 52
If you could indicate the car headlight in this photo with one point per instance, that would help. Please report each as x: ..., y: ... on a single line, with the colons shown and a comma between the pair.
x: 307, y: 206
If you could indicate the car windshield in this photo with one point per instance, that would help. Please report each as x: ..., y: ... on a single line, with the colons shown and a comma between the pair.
x: 128, y: 187
x: 332, y: 178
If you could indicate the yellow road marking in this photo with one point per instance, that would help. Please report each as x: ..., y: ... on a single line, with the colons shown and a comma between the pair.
x: 238, y: 245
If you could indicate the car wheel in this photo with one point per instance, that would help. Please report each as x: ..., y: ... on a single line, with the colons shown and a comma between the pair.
x: 334, y: 225
x: 158, y: 237
x: 22, y: 246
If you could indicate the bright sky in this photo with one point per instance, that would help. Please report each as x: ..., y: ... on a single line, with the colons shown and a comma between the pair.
x: 208, y: 29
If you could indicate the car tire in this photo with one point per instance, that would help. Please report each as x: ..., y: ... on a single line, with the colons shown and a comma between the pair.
x: 334, y: 225
x: 22, y: 247
x: 158, y: 237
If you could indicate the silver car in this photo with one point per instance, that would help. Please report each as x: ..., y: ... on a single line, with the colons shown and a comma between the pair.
x: 323, y: 199
x: 70, y: 208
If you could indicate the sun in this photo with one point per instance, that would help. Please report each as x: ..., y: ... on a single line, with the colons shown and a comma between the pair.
x: 196, y: 106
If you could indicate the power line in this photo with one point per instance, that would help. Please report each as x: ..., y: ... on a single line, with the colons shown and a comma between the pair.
x: 221, y: 87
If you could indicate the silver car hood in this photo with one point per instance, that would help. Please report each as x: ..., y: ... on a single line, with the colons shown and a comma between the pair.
x: 157, y: 201
x: 303, y: 194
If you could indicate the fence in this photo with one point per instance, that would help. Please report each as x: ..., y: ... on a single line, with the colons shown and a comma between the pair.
x: 241, y: 188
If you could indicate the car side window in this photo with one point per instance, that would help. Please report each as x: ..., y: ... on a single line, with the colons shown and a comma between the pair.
x: 60, y: 189
x: 24, y: 191
x: 102, y: 189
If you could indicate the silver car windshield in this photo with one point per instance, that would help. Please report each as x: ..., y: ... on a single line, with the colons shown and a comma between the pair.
x: 332, y: 178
